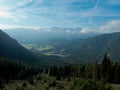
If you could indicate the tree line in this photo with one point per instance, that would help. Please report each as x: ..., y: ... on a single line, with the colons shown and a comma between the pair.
x: 14, y: 70
x: 106, y: 71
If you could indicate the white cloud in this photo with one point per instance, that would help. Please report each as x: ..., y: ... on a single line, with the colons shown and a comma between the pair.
x: 67, y: 30
x: 112, y: 26
x: 85, y: 30
x: 8, y: 26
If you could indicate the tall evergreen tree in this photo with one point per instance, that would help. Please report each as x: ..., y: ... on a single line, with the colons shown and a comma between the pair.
x: 106, y: 69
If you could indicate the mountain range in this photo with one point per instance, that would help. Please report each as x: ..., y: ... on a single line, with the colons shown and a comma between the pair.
x: 84, y: 49
x: 75, y: 49
x: 93, y: 48
x: 26, y: 35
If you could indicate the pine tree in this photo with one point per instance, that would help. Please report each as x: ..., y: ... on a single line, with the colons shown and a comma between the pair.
x: 88, y: 71
x: 106, y: 69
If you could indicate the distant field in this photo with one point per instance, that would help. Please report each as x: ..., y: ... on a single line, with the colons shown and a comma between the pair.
x: 29, y: 46
x: 55, y: 54
x: 45, y: 49
x: 40, y: 48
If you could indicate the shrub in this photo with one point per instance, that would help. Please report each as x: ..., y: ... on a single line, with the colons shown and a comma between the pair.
x: 24, y: 84
x: 60, y: 86
x: 30, y: 80
x: 89, y: 85
x: 47, y: 88
x: 39, y: 77
x: 52, y: 84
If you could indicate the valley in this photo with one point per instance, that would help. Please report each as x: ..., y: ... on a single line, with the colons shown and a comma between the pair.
x: 92, y: 48
x: 60, y: 64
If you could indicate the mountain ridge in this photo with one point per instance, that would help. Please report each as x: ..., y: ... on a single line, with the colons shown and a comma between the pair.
x: 96, y: 47
x: 24, y: 35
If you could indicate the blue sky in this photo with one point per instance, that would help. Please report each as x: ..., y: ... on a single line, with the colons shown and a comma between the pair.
x: 91, y: 15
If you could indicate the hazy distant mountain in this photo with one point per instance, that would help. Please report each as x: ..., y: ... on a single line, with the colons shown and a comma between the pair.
x: 92, y: 48
x: 24, y: 35
x: 10, y: 48
x: 87, y: 48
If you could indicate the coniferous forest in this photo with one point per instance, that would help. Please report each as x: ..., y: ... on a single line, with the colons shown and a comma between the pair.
x: 106, y: 71
x: 96, y: 76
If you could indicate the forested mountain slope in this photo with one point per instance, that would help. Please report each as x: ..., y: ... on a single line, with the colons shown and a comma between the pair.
x: 93, y: 48
x: 10, y: 48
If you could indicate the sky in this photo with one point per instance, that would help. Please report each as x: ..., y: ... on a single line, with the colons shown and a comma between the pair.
x: 91, y: 15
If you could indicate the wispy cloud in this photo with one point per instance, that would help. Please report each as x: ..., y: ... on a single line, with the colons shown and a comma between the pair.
x: 64, y: 13
x: 42, y: 18
x: 94, y: 10
x: 23, y: 3
x: 4, y: 13
x: 8, y: 26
